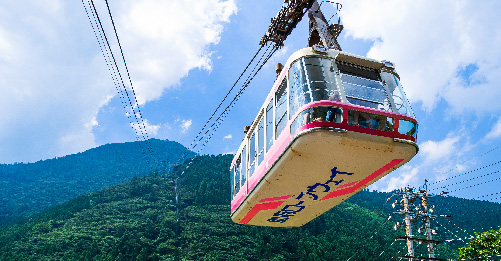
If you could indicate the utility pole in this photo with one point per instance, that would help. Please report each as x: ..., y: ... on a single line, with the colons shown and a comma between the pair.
x: 415, y: 208
x: 427, y: 217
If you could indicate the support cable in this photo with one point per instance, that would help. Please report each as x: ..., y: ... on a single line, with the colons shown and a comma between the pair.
x: 111, y: 62
x: 135, y: 103
x: 218, y: 121
x: 194, y: 142
x: 228, y: 108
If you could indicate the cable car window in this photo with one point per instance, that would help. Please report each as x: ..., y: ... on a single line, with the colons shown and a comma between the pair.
x: 407, y: 127
x: 357, y: 70
x: 311, y: 79
x: 232, y: 181
x: 260, y: 141
x: 299, y: 88
x: 363, y: 86
x: 252, y: 154
x: 244, y: 166
x: 238, y: 166
x: 401, y: 103
x: 317, y: 114
x: 370, y: 120
x: 269, y: 125
x: 281, y: 112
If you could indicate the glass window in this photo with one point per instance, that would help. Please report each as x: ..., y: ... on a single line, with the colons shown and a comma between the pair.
x: 269, y: 125
x: 238, y: 166
x: 281, y: 113
x: 244, y: 166
x: 370, y: 120
x: 260, y: 143
x: 232, y: 181
x: 401, y: 103
x: 317, y: 114
x: 252, y: 153
x: 311, y: 79
x: 407, y: 127
x: 363, y: 86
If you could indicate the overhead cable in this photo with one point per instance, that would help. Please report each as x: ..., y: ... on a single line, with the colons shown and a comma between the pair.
x: 465, y: 173
x: 135, y: 118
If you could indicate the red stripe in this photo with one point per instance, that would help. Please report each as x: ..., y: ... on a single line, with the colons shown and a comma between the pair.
x: 275, y: 198
x: 374, y: 175
x: 347, y: 185
x: 258, y: 207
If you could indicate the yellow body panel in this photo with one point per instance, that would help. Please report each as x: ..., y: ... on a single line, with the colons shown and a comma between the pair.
x: 317, y: 171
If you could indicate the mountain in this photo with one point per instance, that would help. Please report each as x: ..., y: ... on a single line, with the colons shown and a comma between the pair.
x: 136, y: 220
x: 26, y: 189
x: 140, y: 219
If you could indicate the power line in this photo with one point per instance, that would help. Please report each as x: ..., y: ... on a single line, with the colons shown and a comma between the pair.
x: 478, y: 184
x: 481, y: 155
x: 465, y: 173
x: 485, y: 175
x: 375, y: 232
x: 488, y: 195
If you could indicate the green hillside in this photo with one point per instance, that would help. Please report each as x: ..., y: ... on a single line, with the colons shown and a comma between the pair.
x: 136, y: 220
x: 26, y: 189
x: 140, y: 220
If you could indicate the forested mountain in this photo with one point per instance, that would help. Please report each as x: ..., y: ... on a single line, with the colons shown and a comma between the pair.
x: 136, y: 220
x: 26, y: 189
x: 140, y: 220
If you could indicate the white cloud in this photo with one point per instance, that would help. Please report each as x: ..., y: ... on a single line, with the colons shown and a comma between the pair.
x: 144, y: 128
x: 185, y: 125
x: 164, y: 40
x: 430, y: 42
x: 228, y: 137
x: 55, y: 81
x: 438, y: 150
x: 408, y: 175
x: 51, y: 87
x: 495, y: 131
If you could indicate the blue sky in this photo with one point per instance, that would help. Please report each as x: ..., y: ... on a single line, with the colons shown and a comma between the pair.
x: 183, y: 55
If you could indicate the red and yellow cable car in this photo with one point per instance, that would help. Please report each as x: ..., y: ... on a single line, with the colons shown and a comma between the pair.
x: 333, y: 124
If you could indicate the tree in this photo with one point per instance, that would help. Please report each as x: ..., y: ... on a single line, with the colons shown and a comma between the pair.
x: 485, y: 244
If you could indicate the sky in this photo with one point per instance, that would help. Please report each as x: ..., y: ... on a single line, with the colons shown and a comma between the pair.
x: 58, y: 97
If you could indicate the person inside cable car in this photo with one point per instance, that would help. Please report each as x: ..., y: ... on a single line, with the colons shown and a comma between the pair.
x: 333, y: 113
x: 362, y: 117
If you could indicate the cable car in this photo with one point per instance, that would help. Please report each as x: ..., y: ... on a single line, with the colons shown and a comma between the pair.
x: 333, y: 124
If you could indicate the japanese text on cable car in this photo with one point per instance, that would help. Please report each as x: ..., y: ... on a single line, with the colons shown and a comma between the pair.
x: 289, y: 211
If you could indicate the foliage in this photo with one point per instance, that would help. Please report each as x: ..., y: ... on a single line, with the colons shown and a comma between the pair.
x: 483, y: 246
x: 140, y: 220
x: 29, y: 188
x: 465, y: 216
x: 137, y: 220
